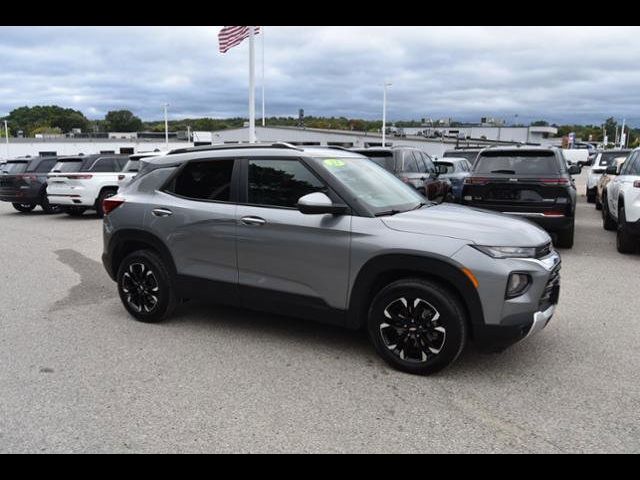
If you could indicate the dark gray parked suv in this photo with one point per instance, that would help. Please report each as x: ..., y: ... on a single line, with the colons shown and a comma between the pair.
x: 327, y: 235
x: 23, y: 183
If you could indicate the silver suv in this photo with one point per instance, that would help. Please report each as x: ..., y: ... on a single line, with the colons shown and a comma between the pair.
x: 326, y: 234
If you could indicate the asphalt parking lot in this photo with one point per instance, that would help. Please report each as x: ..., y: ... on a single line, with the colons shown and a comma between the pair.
x: 78, y: 375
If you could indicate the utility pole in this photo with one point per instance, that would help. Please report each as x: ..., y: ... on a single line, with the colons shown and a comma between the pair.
x: 384, y: 114
x: 6, y: 133
x: 166, y: 125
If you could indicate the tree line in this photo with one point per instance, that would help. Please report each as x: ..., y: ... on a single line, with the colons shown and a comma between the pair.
x: 58, y: 120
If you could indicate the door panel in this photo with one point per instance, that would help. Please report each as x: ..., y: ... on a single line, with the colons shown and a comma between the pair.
x: 199, y: 235
x: 303, y: 257
x: 295, y: 254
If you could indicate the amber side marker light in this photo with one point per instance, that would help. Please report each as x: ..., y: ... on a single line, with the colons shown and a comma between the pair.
x: 471, y: 277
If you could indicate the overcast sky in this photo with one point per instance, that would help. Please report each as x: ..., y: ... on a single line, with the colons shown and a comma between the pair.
x: 561, y: 74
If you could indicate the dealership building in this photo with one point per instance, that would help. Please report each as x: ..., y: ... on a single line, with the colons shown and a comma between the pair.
x: 128, y: 143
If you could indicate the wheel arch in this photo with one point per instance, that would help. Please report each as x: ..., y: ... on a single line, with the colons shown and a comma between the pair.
x: 385, y: 269
x: 127, y: 241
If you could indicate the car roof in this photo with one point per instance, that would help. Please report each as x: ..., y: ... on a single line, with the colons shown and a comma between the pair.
x: 452, y: 159
x: 180, y: 156
x: 516, y: 149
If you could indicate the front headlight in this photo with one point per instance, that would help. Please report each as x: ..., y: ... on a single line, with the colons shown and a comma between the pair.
x: 507, y: 252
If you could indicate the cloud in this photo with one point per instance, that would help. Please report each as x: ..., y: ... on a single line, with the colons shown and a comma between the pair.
x: 562, y: 74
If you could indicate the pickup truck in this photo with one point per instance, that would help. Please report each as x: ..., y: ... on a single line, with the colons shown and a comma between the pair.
x: 79, y: 184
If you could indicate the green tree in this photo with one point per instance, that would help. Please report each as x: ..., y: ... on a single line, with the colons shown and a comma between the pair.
x: 29, y: 118
x: 46, y: 130
x: 540, y: 123
x: 122, y: 121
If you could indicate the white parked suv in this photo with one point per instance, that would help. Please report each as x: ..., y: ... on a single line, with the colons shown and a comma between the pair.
x: 621, y: 205
x: 132, y: 167
x: 79, y: 184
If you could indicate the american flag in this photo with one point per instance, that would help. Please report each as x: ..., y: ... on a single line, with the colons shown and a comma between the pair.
x: 230, y: 37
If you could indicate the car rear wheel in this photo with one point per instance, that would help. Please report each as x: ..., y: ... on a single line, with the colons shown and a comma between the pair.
x: 24, y: 207
x: 417, y: 326
x: 591, y: 197
x: 145, y: 287
x: 48, y: 208
x: 74, y: 211
x: 625, y: 242
x: 607, y: 222
x: 101, y: 198
x: 565, y: 238
x: 598, y: 203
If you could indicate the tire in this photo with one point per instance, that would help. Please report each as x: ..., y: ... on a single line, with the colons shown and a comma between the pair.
x: 607, y: 222
x: 48, y: 208
x: 598, y: 203
x: 103, y: 195
x: 74, y: 211
x: 24, y: 207
x: 591, y: 197
x: 625, y: 242
x: 442, y: 338
x: 566, y: 237
x: 154, y: 299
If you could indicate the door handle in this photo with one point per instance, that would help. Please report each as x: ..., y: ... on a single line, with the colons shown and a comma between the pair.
x: 161, y: 212
x: 253, y: 221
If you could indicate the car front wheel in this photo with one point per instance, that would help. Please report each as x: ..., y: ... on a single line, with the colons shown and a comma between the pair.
x: 607, y: 222
x: 145, y: 287
x: 417, y: 326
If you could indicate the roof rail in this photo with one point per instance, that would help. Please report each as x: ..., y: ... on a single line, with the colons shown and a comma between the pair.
x: 338, y: 147
x: 233, y: 146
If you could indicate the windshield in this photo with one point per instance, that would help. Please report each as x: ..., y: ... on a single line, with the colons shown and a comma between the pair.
x: 470, y: 156
x: 380, y: 191
x: 384, y: 159
x: 67, y: 166
x: 132, y: 166
x: 13, y: 168
x: 607, y: 158
x: 446, y: 167
x: 521, y: 163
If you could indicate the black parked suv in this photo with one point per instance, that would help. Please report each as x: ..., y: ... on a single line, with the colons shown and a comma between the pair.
x: 533, y: 183
x: 413, y: 166
x: 23, y: 182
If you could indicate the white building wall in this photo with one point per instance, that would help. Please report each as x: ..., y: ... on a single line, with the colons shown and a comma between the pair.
x: 22, y: 148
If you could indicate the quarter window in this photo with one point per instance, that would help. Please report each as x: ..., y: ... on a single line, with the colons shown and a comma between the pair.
x: 410, y: 163
x: 106, y: 165
x: 280, y: 183
x: 204, y: 181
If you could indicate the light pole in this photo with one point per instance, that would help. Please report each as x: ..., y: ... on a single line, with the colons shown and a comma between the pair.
x: 6, y: 138
x: 384, y: 114
x: 166, y: 125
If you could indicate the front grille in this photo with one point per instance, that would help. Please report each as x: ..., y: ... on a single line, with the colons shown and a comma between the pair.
x: 551, y: 293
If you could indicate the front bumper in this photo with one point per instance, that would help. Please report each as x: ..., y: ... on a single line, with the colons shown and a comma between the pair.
x: 507, y: 321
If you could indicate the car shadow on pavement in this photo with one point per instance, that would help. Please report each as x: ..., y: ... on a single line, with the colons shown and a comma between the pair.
x: 266, y: 327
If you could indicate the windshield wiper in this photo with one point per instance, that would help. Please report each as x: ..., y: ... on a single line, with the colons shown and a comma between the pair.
x: 508, y: 172
x: 423, y: 204
x: 388, y: 213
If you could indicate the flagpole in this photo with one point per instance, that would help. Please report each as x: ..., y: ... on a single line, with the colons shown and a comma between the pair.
x: 252, y: 91
x: 264, y: 120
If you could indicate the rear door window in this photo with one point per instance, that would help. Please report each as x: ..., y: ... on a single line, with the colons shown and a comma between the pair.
x: 517, y: 163
x: 45, y: 166
x: 410, y: 165
x: 208, y: 180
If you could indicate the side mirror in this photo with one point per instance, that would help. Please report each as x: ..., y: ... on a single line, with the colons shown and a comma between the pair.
x: 612, y: 170
x: 575, y: 170
x: 319, y: 204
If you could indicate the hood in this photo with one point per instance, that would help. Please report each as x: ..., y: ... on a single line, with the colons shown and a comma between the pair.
x: 474, y: 225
